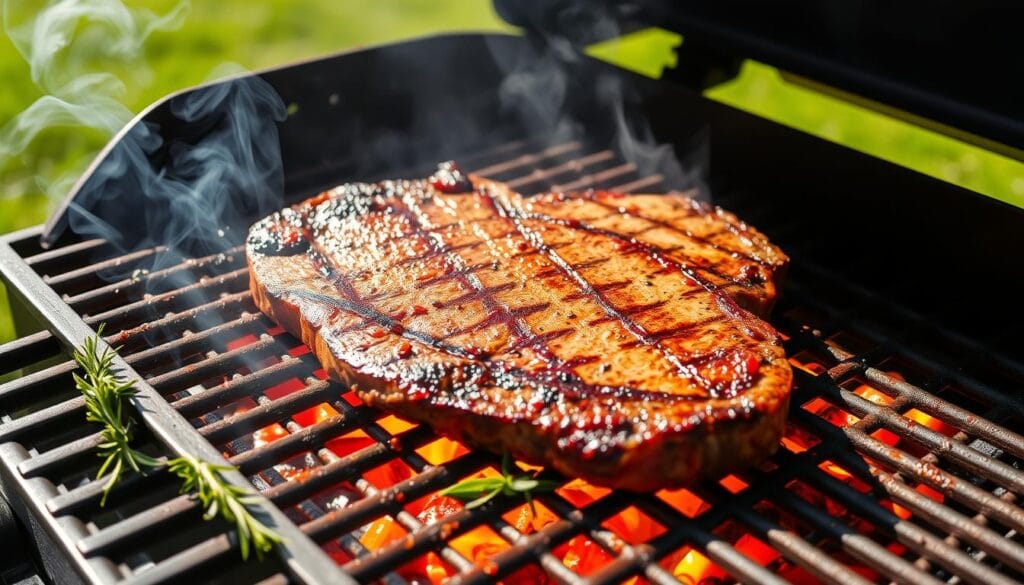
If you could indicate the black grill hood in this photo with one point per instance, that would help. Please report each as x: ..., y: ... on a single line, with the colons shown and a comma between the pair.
x: 950, y: 65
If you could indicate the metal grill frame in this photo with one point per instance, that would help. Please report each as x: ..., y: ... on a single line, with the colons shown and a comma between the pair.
x: 58, y: 510
x: 304, y: 558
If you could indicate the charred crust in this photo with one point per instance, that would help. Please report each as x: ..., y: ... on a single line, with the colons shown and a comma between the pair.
x: 620, y: 442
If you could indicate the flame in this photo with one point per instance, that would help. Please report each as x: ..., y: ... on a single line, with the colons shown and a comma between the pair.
x: 886, y: 436
x: 584, y: 556
x: 798, y: 440
x: 734, y: 484
x: 930, y: 422
x: 284, y: 388
x: 268, y: 435
x: 441, y: 451
x: 685, y: 501
x: 581, y: 493
x: 395, y: 425
x: 382, y: 532
x: 872, y: 394
x: 812, y: 368
x: 695, y: 568
x: 899, y: 510
x: 831, y: 413
x: 757, y: 550
x: 481, y: 544
x: 836, y: 471
x: 633, y: 526
x: 315, y: 415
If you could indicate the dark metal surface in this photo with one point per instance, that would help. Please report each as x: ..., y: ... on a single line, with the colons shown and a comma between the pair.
x: 952, y: 66
x: 842, y: 502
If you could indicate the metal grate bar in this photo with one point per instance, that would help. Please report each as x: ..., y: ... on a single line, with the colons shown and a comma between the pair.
x: 144, y: 308
x: 50, y: 462
x: 46, y: 262
x: 652, y: 182
x: 181, y: 378
x: 137, y: 526
x: 34, y: 383
x: 966, y: 528
x: 528, y: 160
x: 44, y: 418
x: 250, y: 462
x: 23, y: 352
x: 185, y: 563
x: 247, y: 385
x: 79, y: 279
x: 247, y: 322
x: 596, y: 179
x: 315, y: 392
x: 346, y: 468
x: 882, y: 339
x: 86, y: 498
x: 188, y: 270
x: 174, y: 324
x: 571, y: 167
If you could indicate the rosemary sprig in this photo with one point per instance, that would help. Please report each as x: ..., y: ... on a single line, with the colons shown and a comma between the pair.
x: 106, y: 394
x: 478, y: 491
x: 220, y: 497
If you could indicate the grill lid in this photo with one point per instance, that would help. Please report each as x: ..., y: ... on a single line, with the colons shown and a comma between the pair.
x: 954, y: 64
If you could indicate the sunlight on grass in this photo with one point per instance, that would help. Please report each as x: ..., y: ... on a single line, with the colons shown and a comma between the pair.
x: 760, y: 89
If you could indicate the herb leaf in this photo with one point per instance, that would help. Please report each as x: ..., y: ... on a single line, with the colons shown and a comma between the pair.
x: 106, y: 394
x: 480, y: 490
x: 219, y: 497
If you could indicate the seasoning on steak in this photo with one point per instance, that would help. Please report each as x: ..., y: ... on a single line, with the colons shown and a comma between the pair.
x: 607, y: 336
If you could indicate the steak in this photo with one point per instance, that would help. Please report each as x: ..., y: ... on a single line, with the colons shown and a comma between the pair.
x: 610, y: 337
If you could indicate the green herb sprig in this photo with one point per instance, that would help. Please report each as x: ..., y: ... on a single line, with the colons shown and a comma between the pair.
x: 478, y: 491
x: 220, y: 497
x: 106, y: 395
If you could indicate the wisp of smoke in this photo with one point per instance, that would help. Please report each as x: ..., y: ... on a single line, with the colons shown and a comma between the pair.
x: 193, y: 192
x: 538, y: 88
x: 65, y: 43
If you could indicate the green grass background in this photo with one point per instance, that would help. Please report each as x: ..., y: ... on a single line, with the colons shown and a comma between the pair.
x: 255, y: 34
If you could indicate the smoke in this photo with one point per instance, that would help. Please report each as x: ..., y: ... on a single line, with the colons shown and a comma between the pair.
x: 72, y: 48
x: 634, y: 139
x: 195, y: 184
x: 155, y: 186
x: 549, y: 97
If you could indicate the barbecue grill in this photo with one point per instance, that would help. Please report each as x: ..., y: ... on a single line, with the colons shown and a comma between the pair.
x: 901, y: 461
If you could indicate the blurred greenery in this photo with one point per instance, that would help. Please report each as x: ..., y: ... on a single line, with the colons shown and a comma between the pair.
x: 245, y: 33
x: 255, y: 35
x: 248, y: 34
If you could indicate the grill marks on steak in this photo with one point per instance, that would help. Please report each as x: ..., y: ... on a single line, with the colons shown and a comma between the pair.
x: 598, y: 334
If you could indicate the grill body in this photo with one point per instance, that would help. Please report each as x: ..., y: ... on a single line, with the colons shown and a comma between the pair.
x: 901, y: 463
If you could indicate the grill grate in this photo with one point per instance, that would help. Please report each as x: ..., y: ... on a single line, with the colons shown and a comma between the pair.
x: 898, y: 465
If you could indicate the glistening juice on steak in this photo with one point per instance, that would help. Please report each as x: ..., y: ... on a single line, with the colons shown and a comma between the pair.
x: 612, y: 337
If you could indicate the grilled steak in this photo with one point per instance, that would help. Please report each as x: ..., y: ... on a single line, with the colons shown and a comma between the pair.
x: 607, y: 336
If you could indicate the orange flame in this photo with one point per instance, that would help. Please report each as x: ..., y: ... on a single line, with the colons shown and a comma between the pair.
x: 694, y: 568
x: 930, y: 421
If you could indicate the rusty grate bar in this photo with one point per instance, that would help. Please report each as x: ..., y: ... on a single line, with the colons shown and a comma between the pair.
x: 875, y: 516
